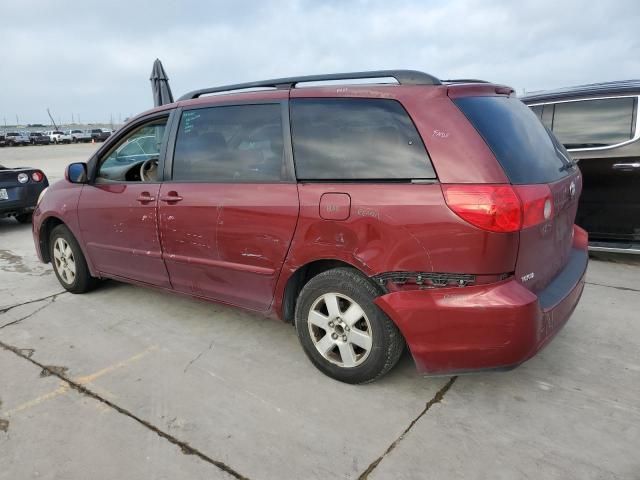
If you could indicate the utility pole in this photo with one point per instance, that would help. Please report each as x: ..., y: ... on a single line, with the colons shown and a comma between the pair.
x: 52, y: 120
x: 17, y: 120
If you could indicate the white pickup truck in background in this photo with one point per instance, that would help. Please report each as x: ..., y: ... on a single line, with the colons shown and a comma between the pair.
x: 79, y: 136
x: 58, y: 136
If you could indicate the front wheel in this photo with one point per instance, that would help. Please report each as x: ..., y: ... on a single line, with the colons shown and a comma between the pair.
x: 344, y: 334
x: 68, y: 261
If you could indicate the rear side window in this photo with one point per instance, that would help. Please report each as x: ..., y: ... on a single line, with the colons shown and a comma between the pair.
x: 519, y: 141
x: 240, y: 143
x: 356, y: 139
x: 594, y: 123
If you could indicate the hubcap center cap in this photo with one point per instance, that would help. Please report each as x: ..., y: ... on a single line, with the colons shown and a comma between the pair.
x: 338, y: 329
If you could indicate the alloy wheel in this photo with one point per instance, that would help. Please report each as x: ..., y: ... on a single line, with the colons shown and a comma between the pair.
x: 65, y: 263
x: 340, y: 330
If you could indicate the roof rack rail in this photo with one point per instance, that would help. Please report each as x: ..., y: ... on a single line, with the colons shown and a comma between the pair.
x: 465, y: 80
x: 403, y: 77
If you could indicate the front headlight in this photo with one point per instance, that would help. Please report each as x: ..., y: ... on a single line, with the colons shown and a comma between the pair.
x: 41, y: 195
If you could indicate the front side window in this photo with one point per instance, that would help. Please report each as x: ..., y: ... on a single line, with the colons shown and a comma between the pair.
x: 238, y: 143
x: 139, y: 148
x: 594, y: 123
x: 356, y: 139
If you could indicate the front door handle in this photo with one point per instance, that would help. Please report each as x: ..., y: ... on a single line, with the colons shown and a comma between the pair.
x: 626, y: 166
x: 171, y: 197
x: 145, y: 197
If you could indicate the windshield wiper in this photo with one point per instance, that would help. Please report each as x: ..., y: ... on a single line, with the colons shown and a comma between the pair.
x: 569, y: 166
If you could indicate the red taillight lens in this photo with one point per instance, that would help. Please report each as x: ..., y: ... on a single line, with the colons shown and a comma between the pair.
x: 495, y: 208
x: 537, y: 204
x: 500, y: 208
x: 37, y: 176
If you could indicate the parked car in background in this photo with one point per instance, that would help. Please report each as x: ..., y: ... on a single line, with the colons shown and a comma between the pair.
x: 98, y: 134
x: 434, y: 214
x: 3, y: 139
x: 19, y: 191
x: 38, y: 138
x: 79, y: 136
x: 599, y: 126
x: 58, y: 136
x: 15, y: 139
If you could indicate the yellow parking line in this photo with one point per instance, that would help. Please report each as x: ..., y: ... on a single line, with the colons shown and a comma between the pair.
x: 37, y: 401
x: 94, y: 376
x: 64, y: 387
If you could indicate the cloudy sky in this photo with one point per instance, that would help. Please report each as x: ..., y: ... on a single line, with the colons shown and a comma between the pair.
x: 93, y: 59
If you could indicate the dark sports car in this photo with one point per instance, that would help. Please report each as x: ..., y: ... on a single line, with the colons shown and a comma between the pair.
x: 19, y: 191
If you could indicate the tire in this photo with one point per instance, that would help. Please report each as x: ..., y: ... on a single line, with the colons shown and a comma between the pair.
x: 81, y: 281
x: 359, y: 347
x: 24, y: 217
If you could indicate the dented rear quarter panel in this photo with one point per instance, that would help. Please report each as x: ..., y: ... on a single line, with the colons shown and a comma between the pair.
x: 393, y: 227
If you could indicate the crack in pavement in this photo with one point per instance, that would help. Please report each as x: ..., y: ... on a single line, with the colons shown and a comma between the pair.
x: 54, y: 295
x: 51, y: 298
x: 198, y: 357
x: 436, y: 399
x: 625, y: 289
x: 184, y: 446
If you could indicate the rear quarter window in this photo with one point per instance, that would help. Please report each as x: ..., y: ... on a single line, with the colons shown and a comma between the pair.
x: 522, y: 145
x: 356, y: 139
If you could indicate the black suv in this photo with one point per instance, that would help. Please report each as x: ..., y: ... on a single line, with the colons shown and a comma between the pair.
x: 598, y: 124
x: 99, y: 135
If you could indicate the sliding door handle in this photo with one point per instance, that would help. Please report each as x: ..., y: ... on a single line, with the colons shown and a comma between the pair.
x: 171, y: 197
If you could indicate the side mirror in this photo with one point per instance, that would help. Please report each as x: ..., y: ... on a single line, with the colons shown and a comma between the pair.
x: 76, y: 172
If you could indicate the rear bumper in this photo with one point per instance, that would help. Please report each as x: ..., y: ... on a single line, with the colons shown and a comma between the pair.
x: 22, y: 199
x: 485, y: 327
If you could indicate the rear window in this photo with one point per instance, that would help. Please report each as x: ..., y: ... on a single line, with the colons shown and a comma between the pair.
x: 519, y: 141
x: 594, y: 123
x: 356, y: 139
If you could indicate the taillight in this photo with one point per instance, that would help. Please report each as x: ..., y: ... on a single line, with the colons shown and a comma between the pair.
x: 500, y: 208
x: 491, y: 207
x: 37, y: 176
x: 537, y: 204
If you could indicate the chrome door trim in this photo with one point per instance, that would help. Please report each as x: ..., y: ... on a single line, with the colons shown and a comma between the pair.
x: 635, y: 137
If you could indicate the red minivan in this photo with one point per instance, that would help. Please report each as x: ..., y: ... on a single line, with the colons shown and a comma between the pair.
x: 436, y: 214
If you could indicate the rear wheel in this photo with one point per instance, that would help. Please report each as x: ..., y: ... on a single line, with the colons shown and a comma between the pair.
x: 344, y: 334
x: 68, y: 261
